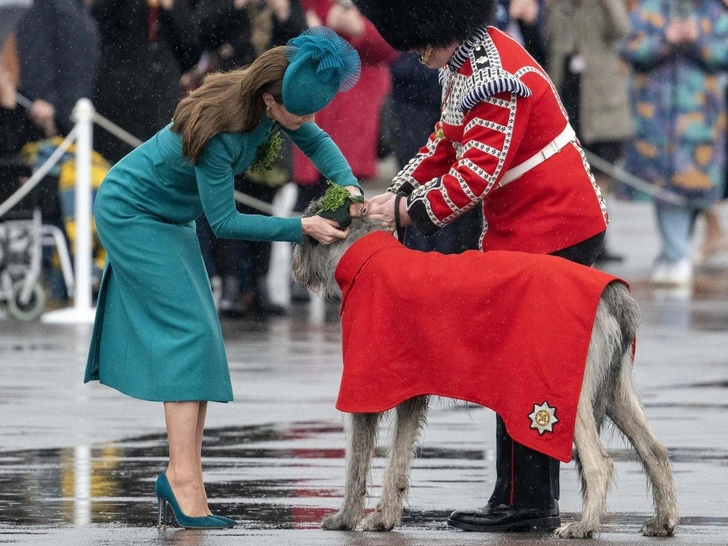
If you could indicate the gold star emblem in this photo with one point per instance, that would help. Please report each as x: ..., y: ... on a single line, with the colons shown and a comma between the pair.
x: 543, y: 418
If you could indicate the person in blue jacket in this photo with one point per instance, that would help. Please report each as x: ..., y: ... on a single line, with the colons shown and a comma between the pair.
x: 157, y: 335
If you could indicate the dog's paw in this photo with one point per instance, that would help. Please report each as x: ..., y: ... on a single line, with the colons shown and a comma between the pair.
x: 661, y: 528
x: 576, y: 529
x: 339, y: 522
x: 377, y: 521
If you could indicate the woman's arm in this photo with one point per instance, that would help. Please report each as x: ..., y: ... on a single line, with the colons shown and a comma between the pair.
x: 215, y: 183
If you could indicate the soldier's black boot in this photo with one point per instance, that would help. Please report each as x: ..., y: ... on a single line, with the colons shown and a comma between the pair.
x: 498, y: 518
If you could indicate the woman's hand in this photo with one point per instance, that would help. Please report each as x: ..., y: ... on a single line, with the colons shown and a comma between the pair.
x: 325, y: 231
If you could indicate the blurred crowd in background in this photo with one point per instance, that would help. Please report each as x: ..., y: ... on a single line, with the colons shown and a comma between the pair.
x: 642, y: 81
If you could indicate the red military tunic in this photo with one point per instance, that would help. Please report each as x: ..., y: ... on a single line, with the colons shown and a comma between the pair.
x: 499, y: 111
x: 506, y: 330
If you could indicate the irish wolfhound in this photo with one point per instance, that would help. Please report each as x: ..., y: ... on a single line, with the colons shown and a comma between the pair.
x: 608, y: 390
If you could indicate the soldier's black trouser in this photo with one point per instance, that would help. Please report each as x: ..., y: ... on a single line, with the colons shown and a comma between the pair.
x: 525, y: 477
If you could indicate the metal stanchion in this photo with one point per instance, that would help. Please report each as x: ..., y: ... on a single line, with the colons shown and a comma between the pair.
x: 279, y: 274
x: 82, y: 312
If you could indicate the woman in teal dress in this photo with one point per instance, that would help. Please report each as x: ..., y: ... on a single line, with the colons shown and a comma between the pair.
x: 157, y: 335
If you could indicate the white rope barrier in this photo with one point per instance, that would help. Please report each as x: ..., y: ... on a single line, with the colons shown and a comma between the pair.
x: 637, y: 183
x: 117, y: 131
x: 25, y: 102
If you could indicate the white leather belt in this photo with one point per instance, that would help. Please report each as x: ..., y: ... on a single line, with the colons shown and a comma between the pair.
x: 553, y: 147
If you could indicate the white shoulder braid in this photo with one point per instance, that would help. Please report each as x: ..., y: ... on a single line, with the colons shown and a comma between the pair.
x: 488, y: 78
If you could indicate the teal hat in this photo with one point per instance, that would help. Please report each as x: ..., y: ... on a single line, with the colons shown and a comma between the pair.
x: 321, y: 64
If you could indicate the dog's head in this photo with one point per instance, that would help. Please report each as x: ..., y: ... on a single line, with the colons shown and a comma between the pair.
x: 313, y: 264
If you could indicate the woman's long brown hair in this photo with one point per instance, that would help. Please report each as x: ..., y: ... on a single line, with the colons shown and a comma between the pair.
x: 228, y: 102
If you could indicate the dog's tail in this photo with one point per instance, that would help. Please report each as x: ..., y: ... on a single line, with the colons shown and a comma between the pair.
x: 622, y: 306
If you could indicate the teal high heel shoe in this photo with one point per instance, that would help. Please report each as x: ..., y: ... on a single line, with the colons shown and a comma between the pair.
x: 165, y: 496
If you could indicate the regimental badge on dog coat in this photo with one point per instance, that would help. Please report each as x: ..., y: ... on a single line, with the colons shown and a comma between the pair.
x: 506, y: 330
x: 543, y: 418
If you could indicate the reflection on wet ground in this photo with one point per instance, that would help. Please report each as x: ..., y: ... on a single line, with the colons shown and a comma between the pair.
x: 266, y: 477
x: 256, y: 474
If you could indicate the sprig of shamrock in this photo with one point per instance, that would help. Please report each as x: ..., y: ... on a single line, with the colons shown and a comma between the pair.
x: 267, y: 153
x: 336, y: 196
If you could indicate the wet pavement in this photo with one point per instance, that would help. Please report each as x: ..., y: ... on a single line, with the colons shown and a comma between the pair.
x: 78, y: 462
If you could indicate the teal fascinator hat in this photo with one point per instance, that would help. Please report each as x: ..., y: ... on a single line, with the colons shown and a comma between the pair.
x: 321, y: 64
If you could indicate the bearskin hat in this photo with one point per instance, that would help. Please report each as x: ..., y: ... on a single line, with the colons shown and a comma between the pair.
x: 415, y: 24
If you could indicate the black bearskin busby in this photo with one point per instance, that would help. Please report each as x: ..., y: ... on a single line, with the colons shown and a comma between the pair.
x: 414, y: 24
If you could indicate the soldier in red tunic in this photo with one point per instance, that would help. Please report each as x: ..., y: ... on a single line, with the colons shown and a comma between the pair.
x: 503, y: 143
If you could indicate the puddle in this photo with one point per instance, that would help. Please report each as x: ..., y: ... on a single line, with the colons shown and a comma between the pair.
x: 252, y: 473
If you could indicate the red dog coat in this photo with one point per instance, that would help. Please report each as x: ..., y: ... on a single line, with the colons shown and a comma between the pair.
x: 506, y: 330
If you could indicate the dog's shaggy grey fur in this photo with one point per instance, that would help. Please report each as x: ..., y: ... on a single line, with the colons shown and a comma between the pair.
x: 608, y: 391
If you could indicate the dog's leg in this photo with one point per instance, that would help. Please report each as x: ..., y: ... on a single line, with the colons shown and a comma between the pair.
x: 627, y: 414
x: 596, y: 467
x: 361, y: 433
x: 395, y: 488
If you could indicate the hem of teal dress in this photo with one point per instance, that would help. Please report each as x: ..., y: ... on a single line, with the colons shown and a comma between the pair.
x: 164, y: 394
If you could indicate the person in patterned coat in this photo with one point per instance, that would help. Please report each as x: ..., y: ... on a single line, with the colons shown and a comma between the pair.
x: 503, y: 143
x: 678, y: 51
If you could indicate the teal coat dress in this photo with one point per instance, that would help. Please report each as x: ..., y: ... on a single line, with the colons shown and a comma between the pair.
x: 157, y: 335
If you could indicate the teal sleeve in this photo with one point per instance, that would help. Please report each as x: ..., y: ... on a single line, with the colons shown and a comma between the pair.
x: 216, y: 186
x: 323, y: 153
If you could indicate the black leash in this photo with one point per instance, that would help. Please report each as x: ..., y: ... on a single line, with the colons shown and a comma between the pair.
x: 397, y: 224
